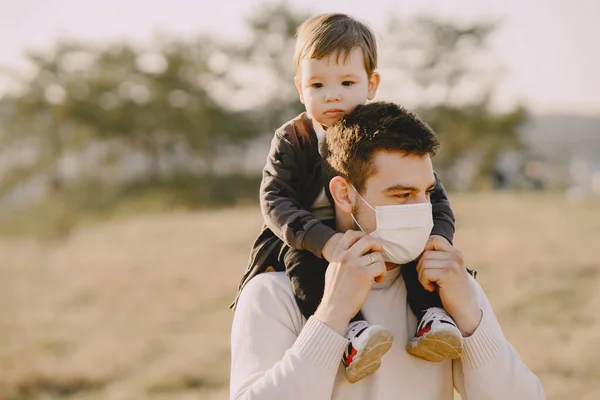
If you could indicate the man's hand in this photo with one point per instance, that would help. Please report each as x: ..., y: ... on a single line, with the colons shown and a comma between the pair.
x: 441, y: 267
x: 436, y: 238
x: 330, y: 246
x: 356, y: 263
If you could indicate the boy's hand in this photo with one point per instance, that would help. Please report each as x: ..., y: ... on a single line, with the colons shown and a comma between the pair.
x: 330, y: 246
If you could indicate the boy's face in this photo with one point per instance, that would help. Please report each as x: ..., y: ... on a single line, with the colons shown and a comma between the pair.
x: 330, y: 88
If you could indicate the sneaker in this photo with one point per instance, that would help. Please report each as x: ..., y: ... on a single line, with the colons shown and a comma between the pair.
x: 368, y: 343
x: 437, y: 337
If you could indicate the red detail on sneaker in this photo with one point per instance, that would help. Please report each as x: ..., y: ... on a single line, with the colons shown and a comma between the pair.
x: 424, y: 330
x: 350, y: 357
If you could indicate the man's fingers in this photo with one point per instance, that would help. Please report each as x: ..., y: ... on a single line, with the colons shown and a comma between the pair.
x: 429, y: 278
x: 350, y: 237
x: 440, y: 259
x: 436, y: 255
x: 437, y: 271
x: 370, y: 258
x: 377, y: 271
x: 436, y: 242
x: 451, y: 265
x: 431, y: 273
x: 365, y: 244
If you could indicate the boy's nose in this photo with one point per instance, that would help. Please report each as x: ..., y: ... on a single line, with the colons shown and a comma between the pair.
x: 332, y: 96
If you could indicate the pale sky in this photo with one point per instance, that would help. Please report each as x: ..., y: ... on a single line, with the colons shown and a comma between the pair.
x: 551, y: 49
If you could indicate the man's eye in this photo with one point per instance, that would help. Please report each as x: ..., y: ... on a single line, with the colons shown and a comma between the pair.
x: 317, y: 85
x: 347, y: 83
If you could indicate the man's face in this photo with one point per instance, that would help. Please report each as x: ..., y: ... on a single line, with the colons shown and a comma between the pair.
x: 331, y: 87
x: 399, y: 179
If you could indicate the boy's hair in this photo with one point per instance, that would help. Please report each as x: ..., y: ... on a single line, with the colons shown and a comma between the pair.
x: 351, y: 142
x: 324, y: 34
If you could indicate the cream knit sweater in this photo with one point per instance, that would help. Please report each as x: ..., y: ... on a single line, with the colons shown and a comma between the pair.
x: 278, y: 354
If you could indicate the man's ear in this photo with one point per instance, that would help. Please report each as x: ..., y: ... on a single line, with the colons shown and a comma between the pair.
x: 341, y: 192
x: 298, y: 83
x: 374, y: 80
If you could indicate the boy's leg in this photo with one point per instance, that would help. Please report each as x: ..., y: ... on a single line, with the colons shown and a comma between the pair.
x: 307, y: 274
x: 437, y: 337
x: 418, y: 298
x: 358, y: 317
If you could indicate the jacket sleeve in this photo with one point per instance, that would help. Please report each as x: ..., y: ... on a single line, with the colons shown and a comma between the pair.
x: 489, y: 367
x: 443, y: 217
x: 280, y: 199
x: 273, y: 356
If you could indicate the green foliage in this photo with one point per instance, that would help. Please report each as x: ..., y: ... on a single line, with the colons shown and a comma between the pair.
x: 451, y: 70
x: 473, y: 129
x: 267, y: 53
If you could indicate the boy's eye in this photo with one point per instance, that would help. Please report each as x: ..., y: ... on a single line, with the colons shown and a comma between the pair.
x: 347, y: 83
x: 317, y: 85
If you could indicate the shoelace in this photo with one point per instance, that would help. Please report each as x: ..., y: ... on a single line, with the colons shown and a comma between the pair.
x: 356, y: 329
x: 435, y: 314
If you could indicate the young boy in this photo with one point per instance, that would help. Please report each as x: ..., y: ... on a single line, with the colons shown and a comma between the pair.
x: 336, y: 60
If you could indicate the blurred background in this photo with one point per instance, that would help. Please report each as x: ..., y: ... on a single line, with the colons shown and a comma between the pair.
x: 132, y: 137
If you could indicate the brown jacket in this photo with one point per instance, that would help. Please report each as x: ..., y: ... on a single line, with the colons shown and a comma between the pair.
x: 290, y: 184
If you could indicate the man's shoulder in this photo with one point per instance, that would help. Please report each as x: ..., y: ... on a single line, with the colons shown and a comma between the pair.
x: 270, y: 285
x: 269, y: 296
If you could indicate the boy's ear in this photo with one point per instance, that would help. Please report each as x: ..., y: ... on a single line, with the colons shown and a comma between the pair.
x: 298, y: 83
x: 341, y: 192
x: 374, y: 80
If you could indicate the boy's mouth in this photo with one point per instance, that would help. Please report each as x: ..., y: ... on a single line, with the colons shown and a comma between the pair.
x: 333, y: 112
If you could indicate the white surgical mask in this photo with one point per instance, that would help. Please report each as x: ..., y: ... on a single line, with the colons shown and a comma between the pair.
x: 402, y: 230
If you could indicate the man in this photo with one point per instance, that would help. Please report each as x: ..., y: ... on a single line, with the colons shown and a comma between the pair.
x: 378, y: 164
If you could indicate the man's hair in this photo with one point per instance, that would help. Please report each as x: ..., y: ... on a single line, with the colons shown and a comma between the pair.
x: 351, y: 142
x: 325, y: 34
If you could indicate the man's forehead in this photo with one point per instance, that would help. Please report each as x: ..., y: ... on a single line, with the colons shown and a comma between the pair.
x: 398, y: 169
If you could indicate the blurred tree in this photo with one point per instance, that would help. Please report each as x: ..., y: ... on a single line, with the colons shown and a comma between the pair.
x: 448, y: 67
x: 260, y: 69
x: 156, y: 100
x: 39, y: 119
x: 151, y: 101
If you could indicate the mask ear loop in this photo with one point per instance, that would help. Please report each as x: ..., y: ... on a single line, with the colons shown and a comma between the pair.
x: 352, y: 214
x: 356, y: 222
x: 371, y: 207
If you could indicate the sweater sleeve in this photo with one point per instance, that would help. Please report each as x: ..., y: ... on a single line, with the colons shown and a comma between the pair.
x: 443, y: 217
x: 490, y: 368
x: 280, y: 200
x: 272, y: 354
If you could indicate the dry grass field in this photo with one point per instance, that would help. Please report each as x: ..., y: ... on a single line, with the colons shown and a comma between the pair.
x: 136, y: 308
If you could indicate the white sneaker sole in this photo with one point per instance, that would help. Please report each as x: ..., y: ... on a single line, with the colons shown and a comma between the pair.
x: 436, y: 346
x: 368, y: 360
